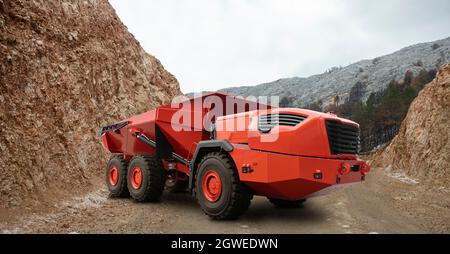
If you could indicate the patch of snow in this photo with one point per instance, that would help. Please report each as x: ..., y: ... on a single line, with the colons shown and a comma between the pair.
x: 11, y: 231
x: 444, y: 189
x: 93, y: 199
x: 378, y: 147
x: 373, y: 233
x: 400, y: 176
x: 374, y: 74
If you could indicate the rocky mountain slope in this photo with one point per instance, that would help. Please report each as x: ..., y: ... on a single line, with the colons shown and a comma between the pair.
x: 373, y: 75
x: 67, y: 68
x: 422, y: 147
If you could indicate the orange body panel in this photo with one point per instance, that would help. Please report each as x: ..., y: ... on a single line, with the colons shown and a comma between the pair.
x: 182, y: 139
x: 290, y: 177
x: 182, y: 136
x: 283, y: 161
x: 124, y: 142
x: 309, y: 138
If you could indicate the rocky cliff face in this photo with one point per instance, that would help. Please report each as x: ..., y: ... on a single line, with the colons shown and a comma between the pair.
x: 67, y: 68
x: 372, y: 75
x: 422, y: 148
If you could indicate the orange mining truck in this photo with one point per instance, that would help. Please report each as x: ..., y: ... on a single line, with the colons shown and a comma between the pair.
x: 226, y: 149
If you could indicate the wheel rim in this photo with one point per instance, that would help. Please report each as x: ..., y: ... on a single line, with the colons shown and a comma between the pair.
x: 212, y: 186
x: 136, y: 178
x: 113, y: 175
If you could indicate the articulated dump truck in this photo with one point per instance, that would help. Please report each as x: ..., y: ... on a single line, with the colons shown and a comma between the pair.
x: 225, y: 149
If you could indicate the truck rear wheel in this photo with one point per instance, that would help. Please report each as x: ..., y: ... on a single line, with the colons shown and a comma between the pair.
x: 116, y: 176
x: 218, y: 189
x: 145, y: 178
x: 280, y: 203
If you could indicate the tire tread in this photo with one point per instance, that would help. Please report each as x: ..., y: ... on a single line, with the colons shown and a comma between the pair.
x: 123, y: 165
x: 241, y: 195
x: 156, y: 181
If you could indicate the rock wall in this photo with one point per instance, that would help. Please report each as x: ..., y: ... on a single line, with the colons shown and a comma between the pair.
x: 422, y: 148
x: 67, y: 68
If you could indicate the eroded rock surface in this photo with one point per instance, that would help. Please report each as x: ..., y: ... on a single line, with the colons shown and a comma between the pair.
x: 67, y: 68
x: 422, y: 148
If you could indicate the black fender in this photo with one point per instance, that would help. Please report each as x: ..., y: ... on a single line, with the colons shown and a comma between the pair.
x: 202, y: 147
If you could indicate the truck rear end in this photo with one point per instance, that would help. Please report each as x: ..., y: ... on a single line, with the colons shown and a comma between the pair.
x: 294, y: 154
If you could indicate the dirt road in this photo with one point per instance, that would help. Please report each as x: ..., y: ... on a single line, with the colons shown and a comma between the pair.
x: 385, y: 203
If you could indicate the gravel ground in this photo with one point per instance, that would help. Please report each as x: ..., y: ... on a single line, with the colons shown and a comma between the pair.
x: 385, y: 203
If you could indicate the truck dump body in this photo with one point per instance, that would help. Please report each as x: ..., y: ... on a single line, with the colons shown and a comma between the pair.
x: 183, y: 141
x: 281, y: 153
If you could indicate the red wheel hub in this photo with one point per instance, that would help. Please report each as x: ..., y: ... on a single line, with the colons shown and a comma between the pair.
x: 113, y: 175
x: 136, y: 178
x: 212, y: 186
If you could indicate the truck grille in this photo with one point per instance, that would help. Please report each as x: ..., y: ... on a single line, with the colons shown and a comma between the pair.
x: 343, y: 138
x: 267, y: 122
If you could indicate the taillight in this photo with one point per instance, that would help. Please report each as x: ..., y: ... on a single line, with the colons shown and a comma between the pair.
x: 345, y: 168
x: 246, y: 168
x: 364, y: 168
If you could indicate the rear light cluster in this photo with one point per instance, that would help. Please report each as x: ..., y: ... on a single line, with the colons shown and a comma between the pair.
x: 364, y: 168
x: 346, y: 168
x: 246, y: 168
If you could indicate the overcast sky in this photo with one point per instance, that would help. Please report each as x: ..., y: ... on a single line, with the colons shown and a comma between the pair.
x: 212, y: 44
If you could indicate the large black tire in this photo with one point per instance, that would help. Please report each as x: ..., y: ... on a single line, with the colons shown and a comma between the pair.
x: 117, y: 184
x: 235, y: 196
x: 280, y: 203
x: 152, y: 175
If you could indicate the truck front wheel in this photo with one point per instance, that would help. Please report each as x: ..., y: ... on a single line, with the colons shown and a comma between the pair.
x: 116, y: 176
x: 145, y: 178
x: 218, y: 189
